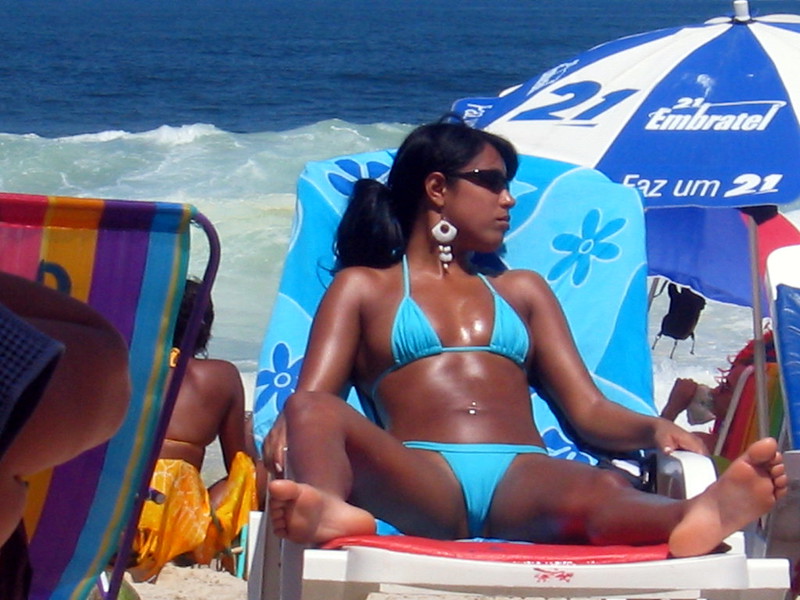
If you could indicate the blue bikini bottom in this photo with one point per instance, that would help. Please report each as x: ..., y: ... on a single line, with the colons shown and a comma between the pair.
x: 479, y: 469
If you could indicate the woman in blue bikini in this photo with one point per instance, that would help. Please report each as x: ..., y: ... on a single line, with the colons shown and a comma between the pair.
x: 447, y: 356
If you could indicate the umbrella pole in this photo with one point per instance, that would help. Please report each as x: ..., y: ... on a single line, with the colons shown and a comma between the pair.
x: 652, y: 293
x: 759, y: 356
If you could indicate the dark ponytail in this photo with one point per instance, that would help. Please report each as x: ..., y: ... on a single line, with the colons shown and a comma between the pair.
x: 369, y: 234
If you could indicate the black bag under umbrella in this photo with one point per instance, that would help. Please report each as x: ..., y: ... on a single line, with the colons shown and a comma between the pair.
x: 684, y: 311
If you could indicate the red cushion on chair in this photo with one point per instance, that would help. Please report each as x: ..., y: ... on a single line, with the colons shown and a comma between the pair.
x: 506, y: 551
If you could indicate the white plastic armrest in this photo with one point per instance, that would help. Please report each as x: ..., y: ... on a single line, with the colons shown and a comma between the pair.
x: 683, y: 474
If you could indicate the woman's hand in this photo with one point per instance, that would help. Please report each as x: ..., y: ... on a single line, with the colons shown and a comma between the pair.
x: 668, y: 437
x: 274, y: 451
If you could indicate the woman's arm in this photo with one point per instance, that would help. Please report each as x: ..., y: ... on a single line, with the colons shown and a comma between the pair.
x: 335, y: 334
x: 330, y: 354
x: 232, y: 427
x: 561, y: 374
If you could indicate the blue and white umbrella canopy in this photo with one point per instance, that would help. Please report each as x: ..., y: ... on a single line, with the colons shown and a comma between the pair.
x: 703, y: 115
x: 699, y: 116
x: 695, y: 117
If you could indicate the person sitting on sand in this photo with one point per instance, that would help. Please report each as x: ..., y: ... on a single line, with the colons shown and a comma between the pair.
x: 447, y: 355
x: 185, y: 518
x: 704, y: 404
x: 64, y: 388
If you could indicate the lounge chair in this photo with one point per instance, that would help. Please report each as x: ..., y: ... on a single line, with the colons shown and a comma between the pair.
x: 129, y: 261
x: 782, y: 528
x: 586, y: 236
x: 739, y: 427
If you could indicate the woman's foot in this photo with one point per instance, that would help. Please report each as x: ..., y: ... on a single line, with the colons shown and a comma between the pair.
x: 746, y: 490
x: 304, y: 514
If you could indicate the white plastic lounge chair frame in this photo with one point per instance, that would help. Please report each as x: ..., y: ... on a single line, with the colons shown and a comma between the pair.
x: 782, y: 528
x: 285, y: 571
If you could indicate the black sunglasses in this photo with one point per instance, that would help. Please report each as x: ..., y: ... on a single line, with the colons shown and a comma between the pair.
x: 493, y: 180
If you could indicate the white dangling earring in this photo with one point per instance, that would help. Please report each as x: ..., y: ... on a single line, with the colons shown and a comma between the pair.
x: 444, y: 232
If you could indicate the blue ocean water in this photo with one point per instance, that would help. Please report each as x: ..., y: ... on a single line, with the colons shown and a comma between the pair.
x: 221, y: 102
x: 245, y: 66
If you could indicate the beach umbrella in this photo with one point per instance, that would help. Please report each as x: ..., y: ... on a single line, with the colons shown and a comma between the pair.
x: 701, y: 117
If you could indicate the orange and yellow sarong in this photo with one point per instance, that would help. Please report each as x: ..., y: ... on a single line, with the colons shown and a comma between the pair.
x: 184, y: 523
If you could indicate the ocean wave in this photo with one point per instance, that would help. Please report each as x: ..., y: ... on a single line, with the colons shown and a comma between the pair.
x: 244, y: 183
x: 186, y: 163
x: 164, y: 135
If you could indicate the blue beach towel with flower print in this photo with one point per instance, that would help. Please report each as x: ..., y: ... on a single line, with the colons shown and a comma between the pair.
x: 571, y: 224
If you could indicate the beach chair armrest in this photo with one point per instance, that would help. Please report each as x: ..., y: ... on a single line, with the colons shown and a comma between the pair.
x: 683, y: 474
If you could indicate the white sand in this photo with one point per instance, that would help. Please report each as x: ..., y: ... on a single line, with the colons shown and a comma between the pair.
x: 193, y: 583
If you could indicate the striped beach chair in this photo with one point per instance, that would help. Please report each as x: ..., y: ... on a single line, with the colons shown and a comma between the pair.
x: 128, y: 260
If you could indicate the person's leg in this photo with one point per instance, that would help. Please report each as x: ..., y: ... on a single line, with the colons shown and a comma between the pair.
x: 553, y: 500
x: 83, y: 405
x: 217, y: 492
x: 347, y: 471
x: 15, y: 566
x: 13, y: 493
x: 89, y: 390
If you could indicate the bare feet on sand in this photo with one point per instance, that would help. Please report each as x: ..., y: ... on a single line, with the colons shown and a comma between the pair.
x: 304, y: 514
x: 746, y: 490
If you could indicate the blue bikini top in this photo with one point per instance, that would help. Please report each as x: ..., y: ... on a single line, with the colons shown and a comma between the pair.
x: 413, y: 336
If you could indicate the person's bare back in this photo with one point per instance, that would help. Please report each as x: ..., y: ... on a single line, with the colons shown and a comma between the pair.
x: 210, y: 404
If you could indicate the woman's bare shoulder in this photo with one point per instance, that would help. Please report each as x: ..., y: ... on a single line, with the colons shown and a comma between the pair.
x: 527, y: 291
x: 350, y: 275
x: 213, y: 375
x: 521, y: 281
x: 365, y: 273
x: 522, y: 275
x: 362, y: 281
x: 216, y: 366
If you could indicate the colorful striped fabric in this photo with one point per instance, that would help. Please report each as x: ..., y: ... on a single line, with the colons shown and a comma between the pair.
x: 129, y: 261
x: 744, y: 429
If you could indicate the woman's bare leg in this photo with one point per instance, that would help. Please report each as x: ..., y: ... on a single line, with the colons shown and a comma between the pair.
x: 349, y: 471
x: 85, y: 400
x: 581, y: 504
x: 553, y: 500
